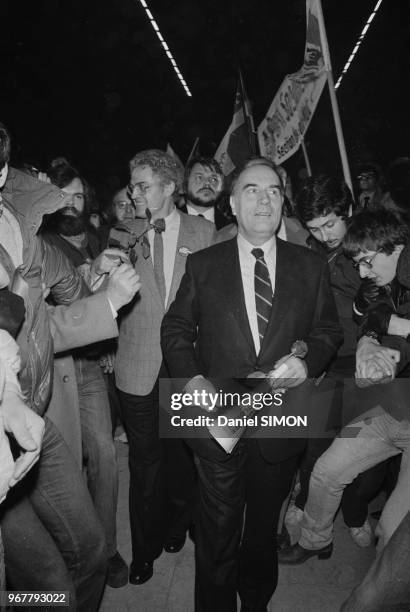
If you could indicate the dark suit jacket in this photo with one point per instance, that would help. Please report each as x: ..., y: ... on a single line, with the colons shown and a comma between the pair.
x: 206, y: 330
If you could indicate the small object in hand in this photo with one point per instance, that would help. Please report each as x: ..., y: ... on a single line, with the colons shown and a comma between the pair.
x: 299, y: 349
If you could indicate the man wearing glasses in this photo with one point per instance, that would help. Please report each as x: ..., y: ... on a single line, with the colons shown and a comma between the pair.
x: 323, y: 205
x: 203, y: 186
x: 374, y: 241
x: 165, y: 238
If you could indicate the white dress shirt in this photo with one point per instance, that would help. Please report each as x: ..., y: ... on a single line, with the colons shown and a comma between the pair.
x: 247, y: 264
x: 170, y: 240
x: 208, y: 213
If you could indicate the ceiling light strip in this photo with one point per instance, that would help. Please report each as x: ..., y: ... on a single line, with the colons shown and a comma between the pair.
x: 360, y: 39
x: 165, y: 47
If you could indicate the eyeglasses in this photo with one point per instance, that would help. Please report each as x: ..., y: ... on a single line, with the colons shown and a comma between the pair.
x: 143, y: 188
x: 366, y: 262
x: 366, y: 176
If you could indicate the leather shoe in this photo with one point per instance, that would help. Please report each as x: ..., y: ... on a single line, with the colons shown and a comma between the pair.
x: 139, y: 575
x: 174, y: 544
x: 296, y: 554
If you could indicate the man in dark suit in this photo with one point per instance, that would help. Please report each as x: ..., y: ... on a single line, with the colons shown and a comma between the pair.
x: 204, y: 191
x: 216, y: 328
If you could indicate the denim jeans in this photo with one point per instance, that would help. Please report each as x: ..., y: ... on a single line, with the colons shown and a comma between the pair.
x: 98, y: 446
x: 379, y: 436
x: 386, y: 586
x: 53, y: 539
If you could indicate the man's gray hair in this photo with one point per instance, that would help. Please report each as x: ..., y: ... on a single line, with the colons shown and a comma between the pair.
x: 162, y: 164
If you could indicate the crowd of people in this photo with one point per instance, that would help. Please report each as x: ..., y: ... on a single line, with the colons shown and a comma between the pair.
x: 174, y: 278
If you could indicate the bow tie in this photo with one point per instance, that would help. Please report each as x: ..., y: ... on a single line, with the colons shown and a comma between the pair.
x: 158, y: 225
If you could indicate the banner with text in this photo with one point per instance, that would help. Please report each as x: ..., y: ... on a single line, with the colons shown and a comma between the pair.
x: 282, y: 130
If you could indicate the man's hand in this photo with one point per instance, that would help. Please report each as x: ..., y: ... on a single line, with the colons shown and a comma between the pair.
x: 367, y: 294
x: 375, y: 363
x: 292, y: 372
x: 202, y: 390
x: 108, y: 260
x: 43, y: 177
x: 107, y: 363
x: 123, y: 284
x: 27, y: 428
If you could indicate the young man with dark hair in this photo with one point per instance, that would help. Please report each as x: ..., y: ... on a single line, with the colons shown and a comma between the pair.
x: 375, y: 241
x: 323, y: 205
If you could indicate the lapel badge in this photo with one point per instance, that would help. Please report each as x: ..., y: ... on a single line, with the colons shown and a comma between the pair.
x: 184, y: 251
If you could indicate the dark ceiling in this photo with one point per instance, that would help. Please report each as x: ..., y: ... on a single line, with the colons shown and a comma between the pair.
x: 89, y: 79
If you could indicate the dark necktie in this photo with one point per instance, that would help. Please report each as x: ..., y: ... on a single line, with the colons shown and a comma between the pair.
x: 159, y: 227
x: 263, y: 292
x: 366, y: 202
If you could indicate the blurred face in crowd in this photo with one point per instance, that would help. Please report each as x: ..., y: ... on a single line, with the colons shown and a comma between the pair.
x: 256, y: 201
x: 367, y: 181
x: 204, y: 186
x: 329, y: 230
x: 378, y: 266
x: 95, y: 220
x: 148, y: 190
x: 3, y: 175
x: 123, y: 208
x: 76, y: 205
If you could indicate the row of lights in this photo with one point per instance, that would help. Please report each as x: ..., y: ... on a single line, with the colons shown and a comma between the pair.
x: 362, y: 35
x: 166, y: 48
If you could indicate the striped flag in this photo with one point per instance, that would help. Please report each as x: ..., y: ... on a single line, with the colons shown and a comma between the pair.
x: 239, y: 141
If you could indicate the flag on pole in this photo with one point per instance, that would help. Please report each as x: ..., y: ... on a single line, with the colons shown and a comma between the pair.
x: 194, y: 151
x: 172, y: 153
x: 282, y: 130
x: 239, y: 142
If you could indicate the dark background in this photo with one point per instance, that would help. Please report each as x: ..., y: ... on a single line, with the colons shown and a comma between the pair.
x: 88, y: 79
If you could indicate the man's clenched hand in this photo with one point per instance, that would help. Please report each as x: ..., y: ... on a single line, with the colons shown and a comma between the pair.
x: 123, y: 284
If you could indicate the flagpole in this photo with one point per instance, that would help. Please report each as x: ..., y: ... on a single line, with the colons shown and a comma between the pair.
x: 193, y: 150
x: 248, y: 118
x: 333, y: 100
x: 306, y: 158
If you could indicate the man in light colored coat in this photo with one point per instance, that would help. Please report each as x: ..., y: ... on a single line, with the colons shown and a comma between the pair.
x: 161, y: 255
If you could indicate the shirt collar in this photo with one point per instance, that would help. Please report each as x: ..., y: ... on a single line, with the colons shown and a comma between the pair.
x: 207, y: 213
x: 171, y: 220
x: 268, y: 247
